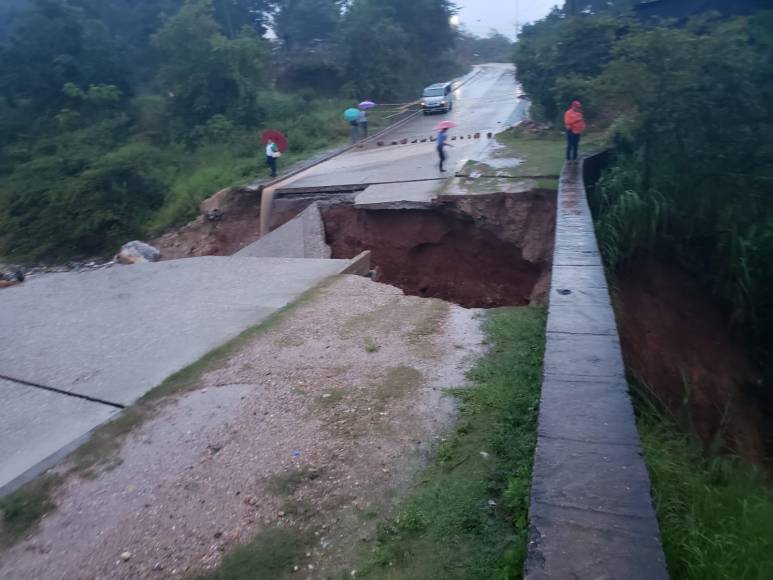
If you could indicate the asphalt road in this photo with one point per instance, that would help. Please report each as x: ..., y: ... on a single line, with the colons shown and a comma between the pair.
x: 487, y: 103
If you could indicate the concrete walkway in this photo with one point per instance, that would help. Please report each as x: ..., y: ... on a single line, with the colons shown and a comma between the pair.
x: 71, y: 340
x: 591, y: 515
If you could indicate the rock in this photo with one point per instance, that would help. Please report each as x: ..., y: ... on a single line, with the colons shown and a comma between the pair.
x: 11, y: 277
x: 214, y: 215
x: 126, y: 556
x: 137, y: 253
x: 216, y: 201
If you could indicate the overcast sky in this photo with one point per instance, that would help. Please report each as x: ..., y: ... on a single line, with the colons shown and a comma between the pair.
x: 480, y: 16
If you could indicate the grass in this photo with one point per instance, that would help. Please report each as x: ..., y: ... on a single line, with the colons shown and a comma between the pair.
x: 273, y: 553
x: 715, y: 514
x: 536, y: 157
x: 467, y: 517
x: 22, y: 510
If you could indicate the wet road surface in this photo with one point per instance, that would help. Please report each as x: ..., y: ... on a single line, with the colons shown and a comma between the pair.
x: 487, y: 102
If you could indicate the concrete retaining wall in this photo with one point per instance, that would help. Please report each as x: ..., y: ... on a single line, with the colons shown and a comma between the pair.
x: 591, y: 513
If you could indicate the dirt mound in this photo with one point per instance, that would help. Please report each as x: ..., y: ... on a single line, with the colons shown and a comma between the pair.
x: 478, y: 251
x: 677, y: 339
x: 237, y: 225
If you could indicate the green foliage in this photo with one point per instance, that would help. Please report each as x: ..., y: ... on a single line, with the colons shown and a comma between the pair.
x: 691, y: 111
x: 300, y: 23
x: 271, y: 554
x: 22, y: 509
x: 213, y: 74
x: 715, y: 515
x: 118, y: 118
x: 468, y: 515
x: 382, y: 40
x: 557, y: 56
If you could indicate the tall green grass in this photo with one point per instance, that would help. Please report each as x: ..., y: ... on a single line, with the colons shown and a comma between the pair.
x: 715, y: 513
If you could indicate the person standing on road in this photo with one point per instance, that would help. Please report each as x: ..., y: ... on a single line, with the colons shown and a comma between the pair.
x: 364, y: 124
x: 442, y: 143
x: 272, y: 154
x: 575, y: 125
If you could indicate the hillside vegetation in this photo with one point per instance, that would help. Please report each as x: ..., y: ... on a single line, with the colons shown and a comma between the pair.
x: 117, y: 118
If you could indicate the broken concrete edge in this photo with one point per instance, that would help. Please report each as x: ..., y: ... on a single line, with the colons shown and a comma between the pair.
x: 94, y: 448
x: 590, y: 506
x: 360, y: 264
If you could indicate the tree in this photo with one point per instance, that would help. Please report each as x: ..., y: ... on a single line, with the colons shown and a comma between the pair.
x: 301, y: 23
x: 53, y: 43
x: 377, y: 60
x: 204, y: 72
x: 564, y: 51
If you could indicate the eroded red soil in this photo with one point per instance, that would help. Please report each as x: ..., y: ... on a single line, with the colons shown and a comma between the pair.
x: 678, y: 340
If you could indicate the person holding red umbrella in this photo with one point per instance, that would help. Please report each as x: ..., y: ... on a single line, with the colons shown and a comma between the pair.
x: 276, y: 144
x: 272, y: 154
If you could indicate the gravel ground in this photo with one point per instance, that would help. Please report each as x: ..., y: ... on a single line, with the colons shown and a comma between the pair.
x: 319, y: 425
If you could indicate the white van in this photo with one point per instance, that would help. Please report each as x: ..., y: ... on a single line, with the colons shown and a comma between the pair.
x: 437, y: 97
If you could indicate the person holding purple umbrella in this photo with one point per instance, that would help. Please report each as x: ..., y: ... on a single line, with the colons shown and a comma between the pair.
x: 363, y: 120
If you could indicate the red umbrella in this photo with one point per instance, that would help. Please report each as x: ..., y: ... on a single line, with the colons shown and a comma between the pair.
x: 277, y: 137
x: 445, y: 125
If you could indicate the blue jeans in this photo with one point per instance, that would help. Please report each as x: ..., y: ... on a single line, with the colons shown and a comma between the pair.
x: 442, y: 155
x: 271, y: 162
x: 572, y: 145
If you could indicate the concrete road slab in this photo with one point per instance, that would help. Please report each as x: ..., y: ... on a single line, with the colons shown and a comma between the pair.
x: 36, y: 424
x: 115, y: 334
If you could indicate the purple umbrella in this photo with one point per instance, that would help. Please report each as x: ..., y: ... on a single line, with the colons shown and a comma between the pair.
x: 364, y: 105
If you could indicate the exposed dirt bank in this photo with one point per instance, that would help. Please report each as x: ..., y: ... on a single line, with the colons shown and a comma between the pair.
x: 237, y: 226
x: 478, y: 251
x: 677, y: 339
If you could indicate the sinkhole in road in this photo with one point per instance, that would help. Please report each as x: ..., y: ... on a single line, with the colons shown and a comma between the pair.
x: 479, y: 251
